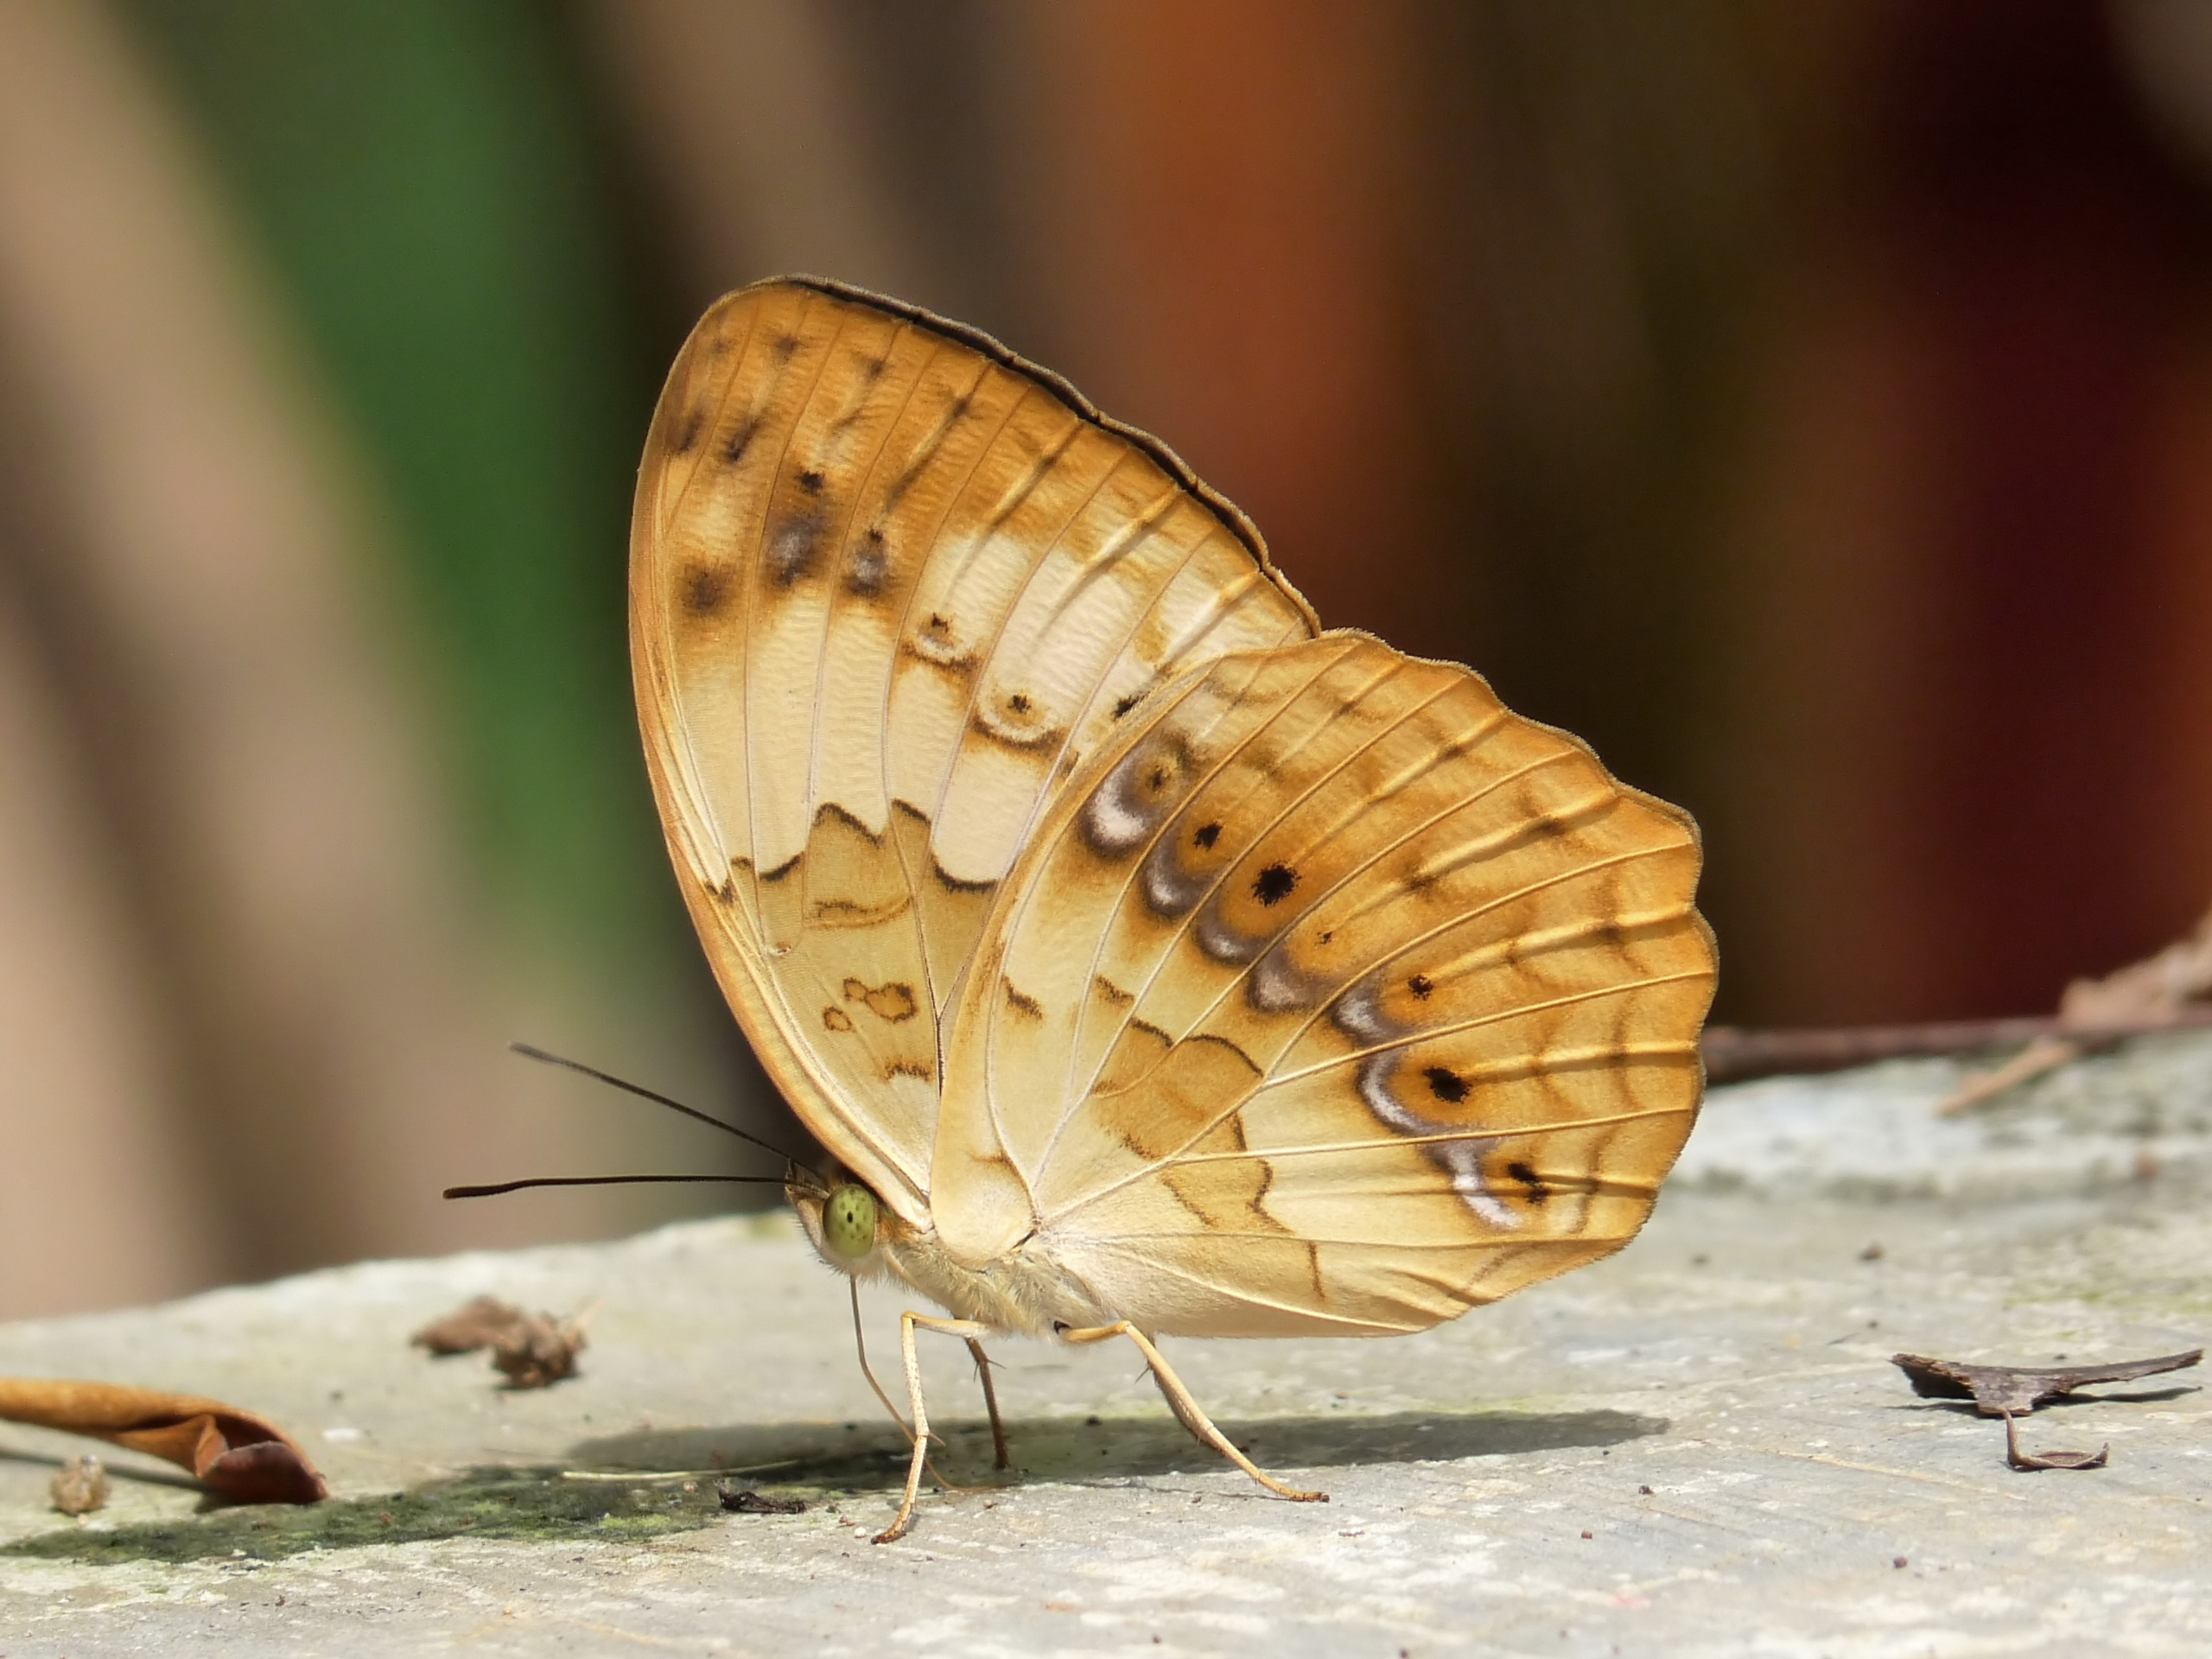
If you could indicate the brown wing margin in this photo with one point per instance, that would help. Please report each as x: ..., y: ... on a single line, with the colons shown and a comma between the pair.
x: 1005, y: 356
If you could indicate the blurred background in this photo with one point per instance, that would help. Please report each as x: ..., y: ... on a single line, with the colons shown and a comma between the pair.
x: 1809, y: 402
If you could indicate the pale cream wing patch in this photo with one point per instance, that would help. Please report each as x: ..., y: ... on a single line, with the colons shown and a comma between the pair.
x: 1334, y: 998
x: 888, y: 585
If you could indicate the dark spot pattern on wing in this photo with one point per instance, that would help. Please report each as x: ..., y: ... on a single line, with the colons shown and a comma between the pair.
x: 794, y: 549
x: 705, y: 589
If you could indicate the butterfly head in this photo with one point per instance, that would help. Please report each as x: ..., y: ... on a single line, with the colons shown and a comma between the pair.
x: 844, y: 1218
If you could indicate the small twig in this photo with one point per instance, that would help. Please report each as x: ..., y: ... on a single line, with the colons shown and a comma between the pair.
x: 644, y: 1475
x: 1734, y: 1053
x: 2044, y: 1054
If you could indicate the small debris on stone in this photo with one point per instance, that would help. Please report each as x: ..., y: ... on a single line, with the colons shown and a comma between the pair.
x: 534, y: 1350
x: 1900, y: 1560
x: 745, y: 1501
x: 1873, y: 1252
x: 2031, y: 1460
x: 2001, y: 1390
x: 1646, y: 1490
x: 81, y: 1486
x: 2012, y: 1391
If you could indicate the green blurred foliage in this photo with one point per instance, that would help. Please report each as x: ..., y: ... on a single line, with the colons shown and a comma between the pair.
x: 425, y: 182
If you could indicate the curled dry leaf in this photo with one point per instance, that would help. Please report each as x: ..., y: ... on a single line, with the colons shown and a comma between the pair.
x: 2031, y: 1460
x: 80, y: 1486
x: 2012, y: 1391
x: 235, y: 1455
x: 534, y: 1350
x: 2001, y: 1390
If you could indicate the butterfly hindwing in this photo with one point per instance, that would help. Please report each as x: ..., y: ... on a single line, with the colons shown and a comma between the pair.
x: 1332, y: 998
x: 890, y: 586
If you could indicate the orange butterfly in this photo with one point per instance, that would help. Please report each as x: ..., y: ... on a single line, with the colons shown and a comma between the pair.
x: 1150, y: 961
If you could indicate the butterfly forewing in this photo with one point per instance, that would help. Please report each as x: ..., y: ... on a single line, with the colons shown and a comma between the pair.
x: 889, y: 586
x: 1334, y: 997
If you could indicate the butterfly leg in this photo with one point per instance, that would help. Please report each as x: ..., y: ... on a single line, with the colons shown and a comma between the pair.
x: 908, y: 1324
x: 990, y: 1404
x: 990, y: 1397
x: 1187, y: 1411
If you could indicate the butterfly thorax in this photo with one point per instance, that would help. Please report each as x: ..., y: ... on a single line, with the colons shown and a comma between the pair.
x: 1022, y: 1292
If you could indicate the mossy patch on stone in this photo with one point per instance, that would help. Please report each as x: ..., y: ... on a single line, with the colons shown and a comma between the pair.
x: 536, y: 1505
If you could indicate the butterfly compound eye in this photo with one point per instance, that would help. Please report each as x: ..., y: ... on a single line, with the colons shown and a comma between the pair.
x: 849, y: 1222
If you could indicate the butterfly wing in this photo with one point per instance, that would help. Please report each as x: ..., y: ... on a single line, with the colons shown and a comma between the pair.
x: 1333, y: 998
x: 889, y: 584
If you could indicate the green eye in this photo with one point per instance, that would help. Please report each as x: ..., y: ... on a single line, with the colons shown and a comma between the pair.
x: 849, y: 1222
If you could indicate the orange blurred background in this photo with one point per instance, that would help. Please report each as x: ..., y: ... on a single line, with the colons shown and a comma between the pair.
x: 1808, y: 401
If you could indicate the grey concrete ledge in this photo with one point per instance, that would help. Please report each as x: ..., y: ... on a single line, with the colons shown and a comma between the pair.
x: 1697, y: 1447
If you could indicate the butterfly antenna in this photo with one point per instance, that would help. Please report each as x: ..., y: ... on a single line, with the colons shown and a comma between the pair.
x: 496, y: 1188
x: 528, y: 1053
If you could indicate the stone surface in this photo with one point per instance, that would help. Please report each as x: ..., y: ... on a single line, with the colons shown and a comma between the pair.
x: 1697, y: 1447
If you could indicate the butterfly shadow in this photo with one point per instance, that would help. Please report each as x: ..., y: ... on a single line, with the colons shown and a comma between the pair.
x: 865, y: 1456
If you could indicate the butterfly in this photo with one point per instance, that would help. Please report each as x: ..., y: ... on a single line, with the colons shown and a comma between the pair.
x: 1150, y: 961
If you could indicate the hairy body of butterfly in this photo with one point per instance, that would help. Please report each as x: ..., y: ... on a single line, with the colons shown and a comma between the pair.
x: 1151, y: 962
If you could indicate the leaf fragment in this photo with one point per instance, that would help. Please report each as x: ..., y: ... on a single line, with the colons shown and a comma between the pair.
x: 745, y: 1501
x: 236, y: 1455
x: 2001, y: 1390
x: 534, y: 1350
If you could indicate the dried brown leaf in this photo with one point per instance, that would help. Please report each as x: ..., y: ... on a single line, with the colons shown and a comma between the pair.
x: 534, y: 1350
x: 236, y: 1455
x: 537, y: 1352
x: 477, y: 1325
x: 2031, y: 1460
x: 2002, y: 1390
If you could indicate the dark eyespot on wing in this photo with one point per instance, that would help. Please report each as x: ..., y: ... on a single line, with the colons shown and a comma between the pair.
x: 1221, y: 941
x: 1446, y: 1083
x: 812, y: 481
x: 687, y: 435
x: 1277, y: 984
x: 705, y: 588
x: 936, y: 644
x: 1274, y: 884
x: 1532, y: 1182
x: 739, y: 442
x: 1123, y: 705
x: 1135, y: 798
x: 1170, y: 890
x: 1206, y: 834
x: 794, y: 548
x: 1421, y: 985
x: 868, y: 564
x: 785, y: 348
